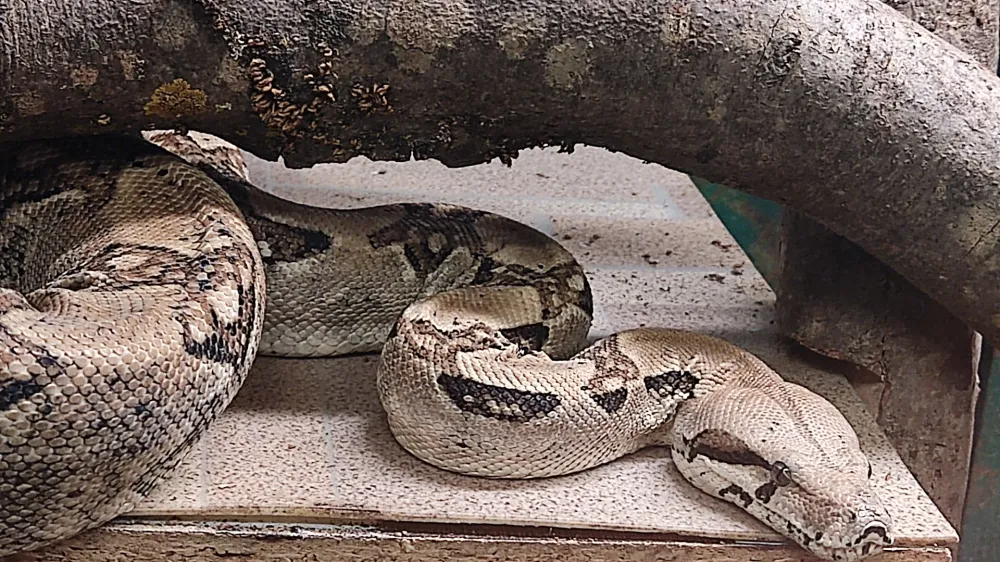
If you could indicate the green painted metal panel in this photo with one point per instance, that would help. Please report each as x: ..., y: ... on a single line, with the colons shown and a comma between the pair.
x: 755, y: 224
x: 981, y: 517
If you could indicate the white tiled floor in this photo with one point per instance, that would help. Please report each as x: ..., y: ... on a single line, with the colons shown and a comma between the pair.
x: 307, y: 440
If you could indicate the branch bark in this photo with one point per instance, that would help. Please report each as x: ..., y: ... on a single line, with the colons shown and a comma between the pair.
x: 845, y: 111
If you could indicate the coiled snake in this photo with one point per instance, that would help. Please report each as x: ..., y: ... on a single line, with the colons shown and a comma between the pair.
x: 134, y: 304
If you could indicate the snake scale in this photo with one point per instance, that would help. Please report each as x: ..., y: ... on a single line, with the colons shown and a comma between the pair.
x: 133, y: 304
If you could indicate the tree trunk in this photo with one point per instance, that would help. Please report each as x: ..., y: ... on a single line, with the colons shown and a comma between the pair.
x: 845, y: 111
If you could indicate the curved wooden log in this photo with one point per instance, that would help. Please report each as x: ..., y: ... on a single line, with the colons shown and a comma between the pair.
x: 845, y: 111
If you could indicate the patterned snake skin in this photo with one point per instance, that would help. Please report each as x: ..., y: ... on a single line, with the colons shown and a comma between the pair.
x: 134, y: 305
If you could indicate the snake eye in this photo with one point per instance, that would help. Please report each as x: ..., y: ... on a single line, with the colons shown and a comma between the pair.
x: 780, y: 474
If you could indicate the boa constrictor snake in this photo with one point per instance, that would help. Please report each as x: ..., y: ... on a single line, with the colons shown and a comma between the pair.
x: 133, y: 305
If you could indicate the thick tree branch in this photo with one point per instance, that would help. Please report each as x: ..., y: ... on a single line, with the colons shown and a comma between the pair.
x: 846, y: 110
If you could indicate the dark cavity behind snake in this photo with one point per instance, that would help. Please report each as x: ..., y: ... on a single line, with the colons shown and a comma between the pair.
x: 134, y: 305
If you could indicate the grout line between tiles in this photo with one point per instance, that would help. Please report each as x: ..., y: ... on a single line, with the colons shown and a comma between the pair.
x: 638, y: 209
x: 331, y: 462
x: 203, y: 480
x: 722, y: 270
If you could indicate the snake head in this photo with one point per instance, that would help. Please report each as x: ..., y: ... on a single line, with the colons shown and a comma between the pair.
x: 790, y: 459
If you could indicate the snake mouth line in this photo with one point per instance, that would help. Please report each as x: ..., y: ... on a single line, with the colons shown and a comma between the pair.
x: 850, y: 554
x: 840, y: 553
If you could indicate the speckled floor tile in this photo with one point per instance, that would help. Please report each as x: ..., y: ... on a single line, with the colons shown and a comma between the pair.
x: 523, y: 208
x: 270, y: 447
x: 543, y: 174
x: 370, y: 474
x: 307, y: 440
x: 714, y: 320
x: 658, y: 243
x: 694, y: 287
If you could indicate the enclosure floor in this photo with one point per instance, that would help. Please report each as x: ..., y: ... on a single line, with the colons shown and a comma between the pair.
x: 306, y: 441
